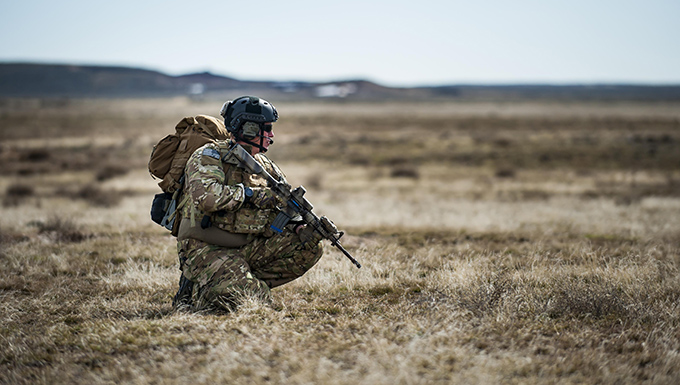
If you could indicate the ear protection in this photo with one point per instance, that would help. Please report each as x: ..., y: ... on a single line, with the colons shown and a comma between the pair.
x: 250, y: 130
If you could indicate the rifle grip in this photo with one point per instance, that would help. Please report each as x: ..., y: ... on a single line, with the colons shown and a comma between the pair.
x: 280, y: 222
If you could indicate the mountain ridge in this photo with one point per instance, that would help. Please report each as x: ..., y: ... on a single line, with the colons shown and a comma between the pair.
x: 25, y: 79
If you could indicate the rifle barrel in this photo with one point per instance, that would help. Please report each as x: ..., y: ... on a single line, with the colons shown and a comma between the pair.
x: 347, y: 254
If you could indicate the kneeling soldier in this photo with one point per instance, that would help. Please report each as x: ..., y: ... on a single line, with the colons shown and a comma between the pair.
x: 225, y: 245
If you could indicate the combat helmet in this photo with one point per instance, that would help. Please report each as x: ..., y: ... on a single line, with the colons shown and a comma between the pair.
x: 246, y: 117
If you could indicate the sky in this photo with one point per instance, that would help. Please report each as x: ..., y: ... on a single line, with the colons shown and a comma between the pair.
x: 394, y: 43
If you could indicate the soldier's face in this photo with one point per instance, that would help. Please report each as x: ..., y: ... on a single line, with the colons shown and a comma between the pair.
x: 267, y: 141
x: 268, y: 138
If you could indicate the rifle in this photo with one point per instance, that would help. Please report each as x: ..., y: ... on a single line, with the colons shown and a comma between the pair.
x: 296, y: 203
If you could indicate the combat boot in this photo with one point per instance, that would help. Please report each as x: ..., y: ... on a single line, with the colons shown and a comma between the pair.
x: 182, y: 300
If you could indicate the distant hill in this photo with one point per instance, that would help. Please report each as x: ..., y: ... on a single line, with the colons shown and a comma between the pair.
x: 19, y: 79
x: 56, y: 80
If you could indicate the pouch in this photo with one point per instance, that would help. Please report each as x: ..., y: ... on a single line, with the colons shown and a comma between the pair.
x: 159, y: 207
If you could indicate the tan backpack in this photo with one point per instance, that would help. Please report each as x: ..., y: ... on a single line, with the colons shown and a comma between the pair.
x: 170, y: 155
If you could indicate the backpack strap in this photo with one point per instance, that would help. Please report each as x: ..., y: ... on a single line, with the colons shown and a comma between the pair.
x: 169, y: 184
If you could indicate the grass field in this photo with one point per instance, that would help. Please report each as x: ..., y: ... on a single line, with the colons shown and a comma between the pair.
x: 517, y: 242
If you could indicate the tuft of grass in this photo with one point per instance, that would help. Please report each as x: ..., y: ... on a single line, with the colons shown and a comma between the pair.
x: 61, y: 229
x: 484, y: 296
x: 590, y: 301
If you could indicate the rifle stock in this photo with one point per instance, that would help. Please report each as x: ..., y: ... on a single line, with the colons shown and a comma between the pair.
x: 296, y: 203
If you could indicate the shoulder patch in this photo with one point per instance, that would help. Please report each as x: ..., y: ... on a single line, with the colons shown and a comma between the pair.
x: 211, y: 152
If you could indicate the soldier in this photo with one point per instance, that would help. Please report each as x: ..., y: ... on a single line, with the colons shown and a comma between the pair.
x: 225, y: 245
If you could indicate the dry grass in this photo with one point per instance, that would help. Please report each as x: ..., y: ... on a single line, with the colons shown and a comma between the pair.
x: 477, y: 268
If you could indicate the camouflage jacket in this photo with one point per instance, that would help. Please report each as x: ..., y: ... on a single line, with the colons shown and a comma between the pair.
x: 216, y: 188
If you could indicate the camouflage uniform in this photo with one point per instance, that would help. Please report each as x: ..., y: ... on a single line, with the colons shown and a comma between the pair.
x: 220, y: 274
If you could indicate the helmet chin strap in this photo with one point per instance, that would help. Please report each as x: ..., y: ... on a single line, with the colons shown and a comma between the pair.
x: 261, y: 146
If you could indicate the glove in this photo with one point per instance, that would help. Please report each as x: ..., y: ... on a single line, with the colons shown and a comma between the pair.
x: 264, y: 198
x: 309, y: 236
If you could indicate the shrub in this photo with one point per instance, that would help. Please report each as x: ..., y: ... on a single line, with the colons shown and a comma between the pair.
x: 17, y: 193
x: 99, y: 197
x: 60, y: 229
x: 36, y: 155
x: 315, y: 181
x: 405, y: 171
x: 20, y: 190
x: 111, y: 171
x: 505, y: 173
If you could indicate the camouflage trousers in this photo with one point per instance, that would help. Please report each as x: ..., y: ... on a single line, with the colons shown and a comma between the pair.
x: 221, y: 275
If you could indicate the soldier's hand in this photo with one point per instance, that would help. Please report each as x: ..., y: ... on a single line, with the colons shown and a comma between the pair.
x: 308, y: 235
x: 265, y: 198
x: 328, y: 225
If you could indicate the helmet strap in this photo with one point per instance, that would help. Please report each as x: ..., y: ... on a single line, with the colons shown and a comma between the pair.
x: 260, y: 146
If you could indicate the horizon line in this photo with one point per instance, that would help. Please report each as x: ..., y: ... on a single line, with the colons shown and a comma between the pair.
x: 349, y: 79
